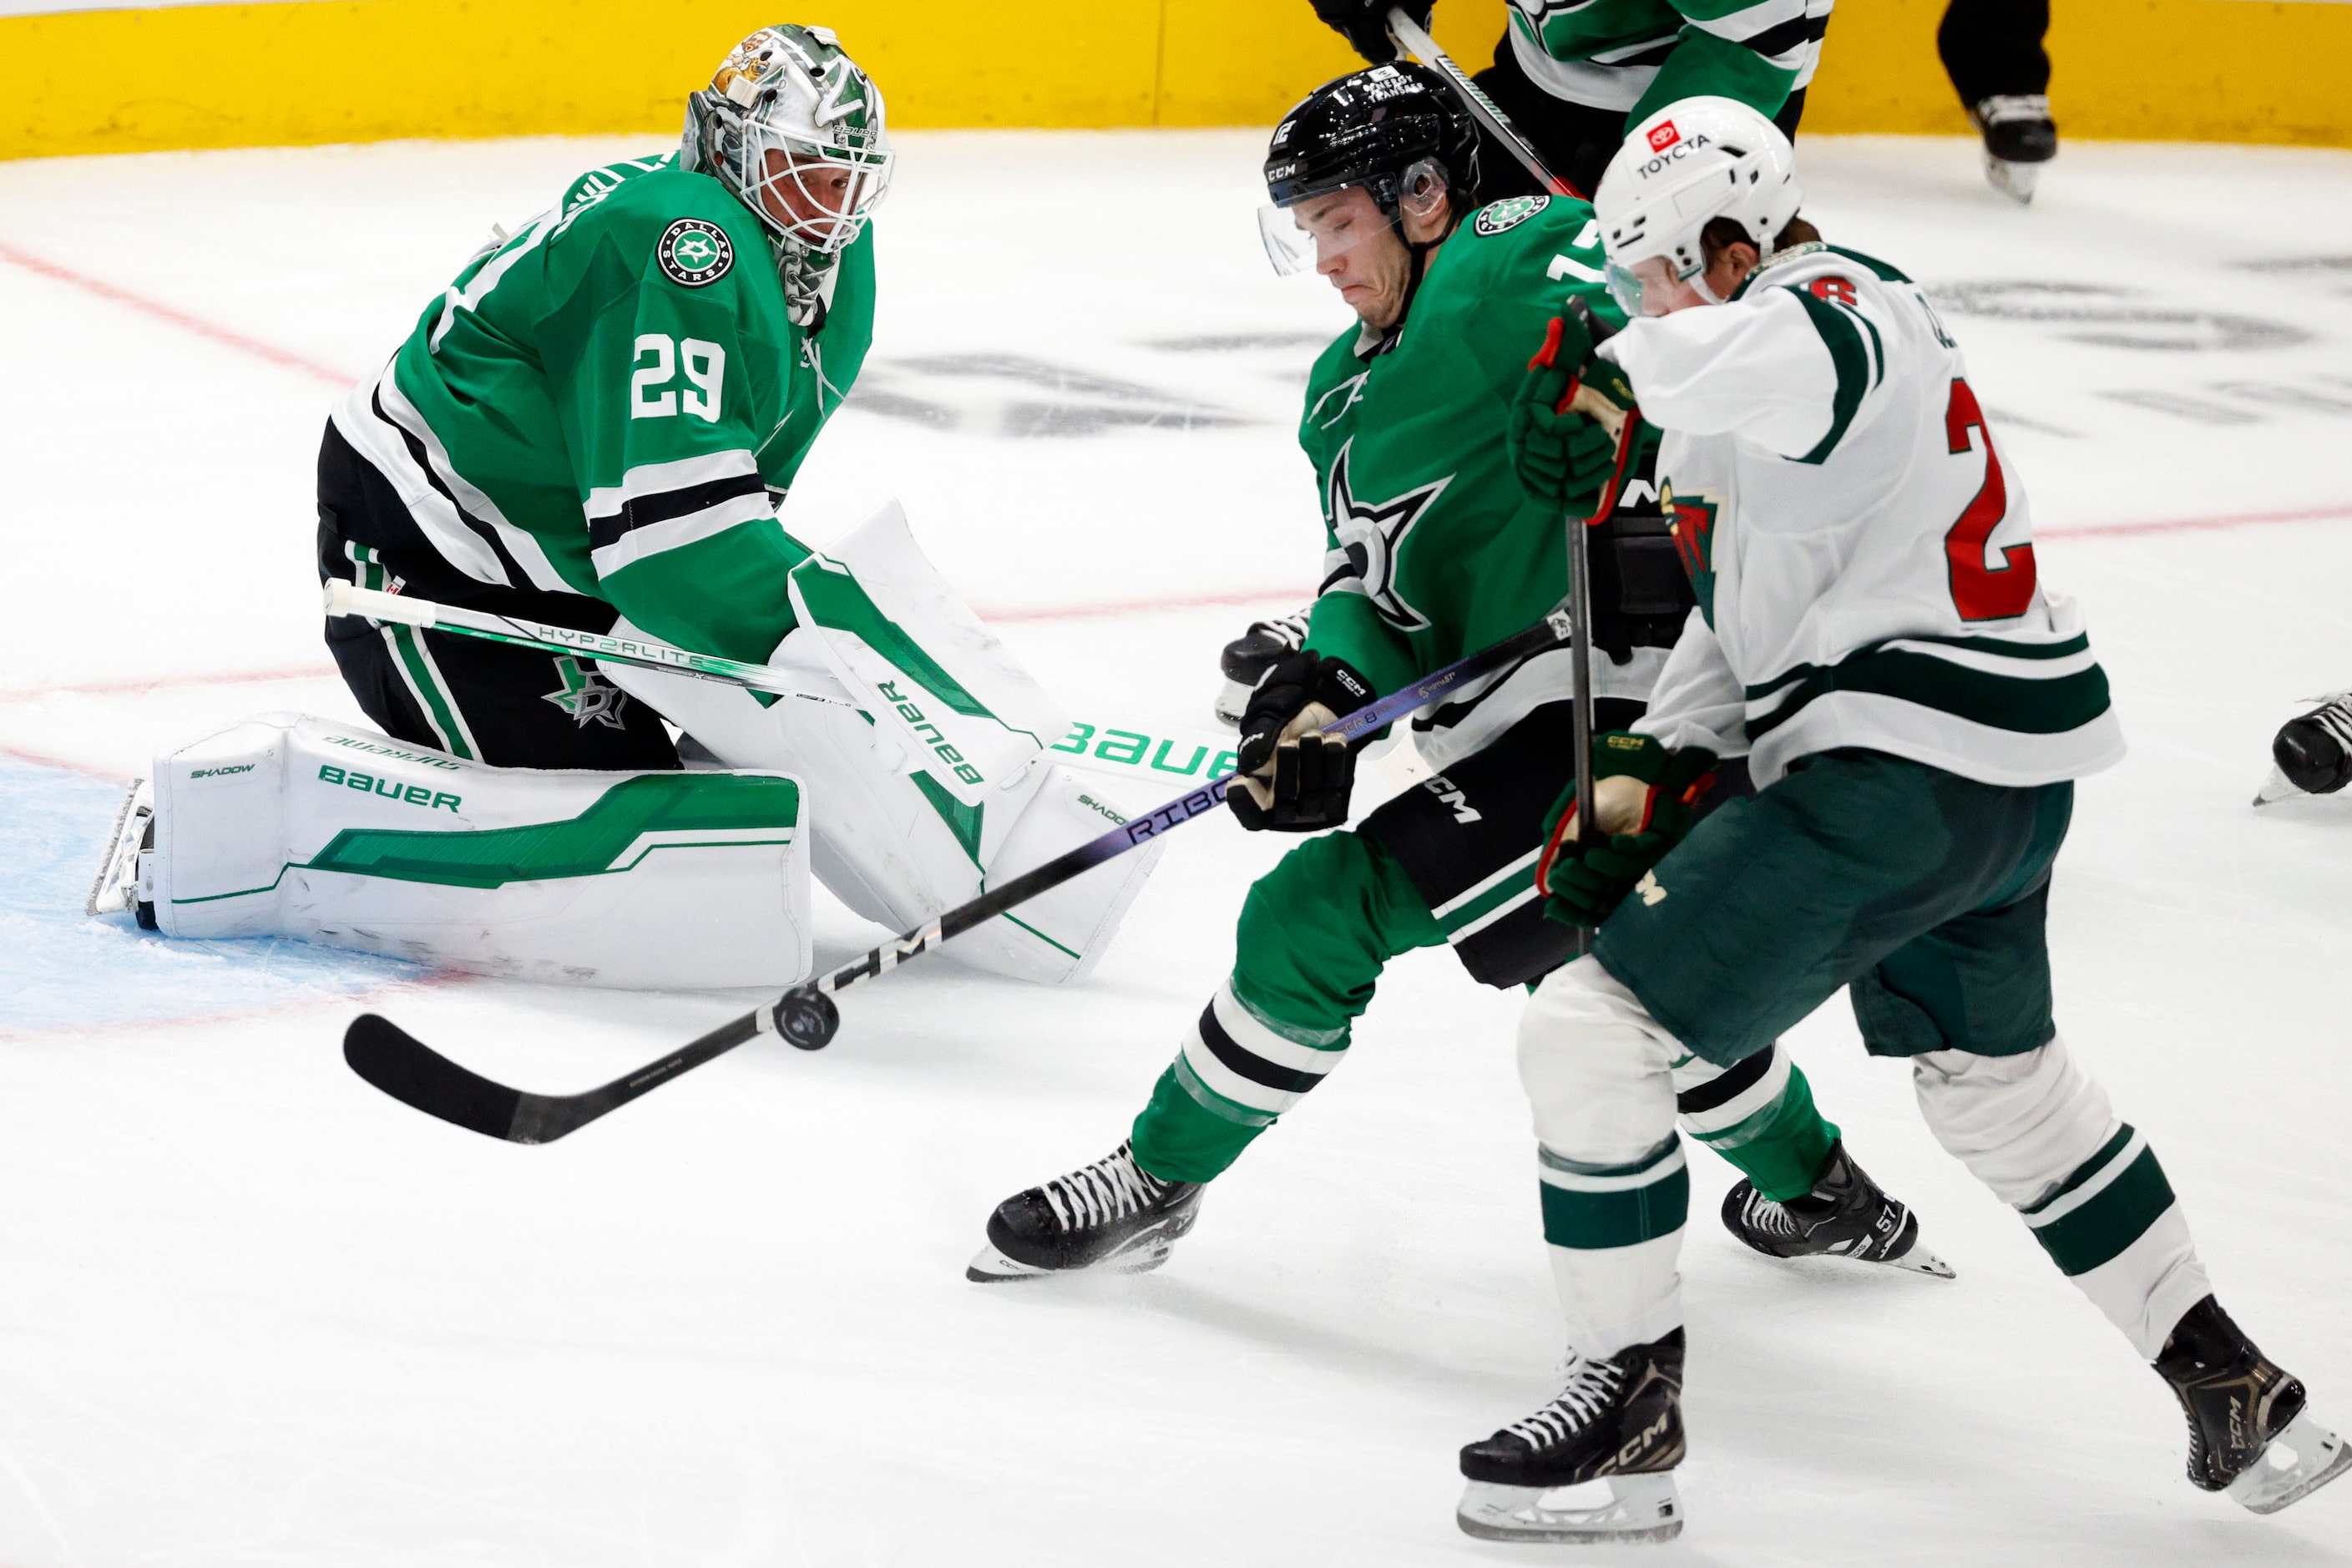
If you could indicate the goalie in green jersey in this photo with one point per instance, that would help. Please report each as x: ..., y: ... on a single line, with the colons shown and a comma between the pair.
x: 591, y: 428
x: 1435, y: 551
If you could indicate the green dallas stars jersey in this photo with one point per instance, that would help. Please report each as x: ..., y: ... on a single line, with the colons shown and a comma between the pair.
x: 610, y: 402
x: 1640, y: 55
x: 1435, y: 551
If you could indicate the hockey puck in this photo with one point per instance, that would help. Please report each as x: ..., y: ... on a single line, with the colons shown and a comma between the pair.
x: 807, y: 1018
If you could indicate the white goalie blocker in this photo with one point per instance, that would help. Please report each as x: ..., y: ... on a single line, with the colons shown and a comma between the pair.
x: 292, y: 825
x: 937, y: 785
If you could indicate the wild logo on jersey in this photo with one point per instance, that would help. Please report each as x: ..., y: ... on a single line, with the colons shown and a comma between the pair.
x: 1693, y: 531
x: 1371, y: 535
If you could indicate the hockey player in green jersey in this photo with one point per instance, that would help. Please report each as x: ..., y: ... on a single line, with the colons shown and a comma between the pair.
x: 590, y: 427
x: 1915, y: 705
x: 1435, y: 551
x: 595, y: 419
x: 1574, y: 75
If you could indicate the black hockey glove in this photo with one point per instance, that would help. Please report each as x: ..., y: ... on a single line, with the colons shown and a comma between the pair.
x: 1568, y: 413
x: 1647, y: 799
x: 1292, y: 779
x: 1365, y: 23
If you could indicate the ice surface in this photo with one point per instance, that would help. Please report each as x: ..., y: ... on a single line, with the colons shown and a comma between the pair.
x: 255, y: 1313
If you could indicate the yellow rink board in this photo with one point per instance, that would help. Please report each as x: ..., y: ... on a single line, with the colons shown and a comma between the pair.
x: 355, y: 70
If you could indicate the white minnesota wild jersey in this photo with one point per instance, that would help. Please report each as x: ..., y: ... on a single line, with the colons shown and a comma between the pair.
x: 1863, y: 557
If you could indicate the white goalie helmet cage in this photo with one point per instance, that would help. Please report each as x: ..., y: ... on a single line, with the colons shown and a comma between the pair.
x: 1696, y: 160
x: 795, y: 129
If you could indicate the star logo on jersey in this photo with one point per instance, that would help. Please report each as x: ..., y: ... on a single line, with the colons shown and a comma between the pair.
x: 587, y: 695
x: 1497, y: 217
x: 693, y: 253
x: 1371, y: 538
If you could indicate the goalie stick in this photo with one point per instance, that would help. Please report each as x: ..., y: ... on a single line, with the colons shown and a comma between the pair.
x: 414, y: 1073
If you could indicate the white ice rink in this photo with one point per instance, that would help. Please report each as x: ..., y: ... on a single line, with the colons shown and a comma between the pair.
x: 251, y: 1312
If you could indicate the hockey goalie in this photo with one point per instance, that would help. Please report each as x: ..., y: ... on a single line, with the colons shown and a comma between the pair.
x: 590, y: 428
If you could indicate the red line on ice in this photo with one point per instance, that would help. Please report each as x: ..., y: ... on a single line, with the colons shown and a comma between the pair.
x: 224, y: 336
x: 2183, y: 524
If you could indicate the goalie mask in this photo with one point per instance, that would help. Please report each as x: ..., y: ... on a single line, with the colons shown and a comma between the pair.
x: 794, y: 129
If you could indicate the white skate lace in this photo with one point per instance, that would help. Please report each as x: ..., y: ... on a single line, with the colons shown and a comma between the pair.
x: 2336, y: 720
x: 2002, y: 108
x: 1111, y: 1188
x: 1591, y: 1389
x: 1762, y: 1214
x: 1290, y: 628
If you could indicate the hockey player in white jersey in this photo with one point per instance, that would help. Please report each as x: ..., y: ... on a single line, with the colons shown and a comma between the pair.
x: 1913, y: 704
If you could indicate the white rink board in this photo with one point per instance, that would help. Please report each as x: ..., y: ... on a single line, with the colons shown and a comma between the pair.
x: 257, y: 1314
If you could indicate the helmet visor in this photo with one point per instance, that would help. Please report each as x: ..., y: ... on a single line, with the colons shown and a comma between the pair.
x: 1315, y: 230
x: 818, y: 195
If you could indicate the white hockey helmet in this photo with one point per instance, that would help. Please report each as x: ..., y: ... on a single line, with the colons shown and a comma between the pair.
x: 787, y: 104
x: 1696, y: 160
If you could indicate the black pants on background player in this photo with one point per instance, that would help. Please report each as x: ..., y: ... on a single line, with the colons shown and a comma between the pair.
x: 510, y: 706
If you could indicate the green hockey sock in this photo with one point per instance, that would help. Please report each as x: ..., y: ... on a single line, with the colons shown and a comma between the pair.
x: 1314, y: 936
x: 1760, y: 1115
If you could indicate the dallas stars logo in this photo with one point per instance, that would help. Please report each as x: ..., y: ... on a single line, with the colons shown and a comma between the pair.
x: 586, y: 695
x: 1371, y: 538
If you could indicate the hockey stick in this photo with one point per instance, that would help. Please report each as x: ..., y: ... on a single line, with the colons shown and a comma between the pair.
x: 347, y: 599
x: 414, y: 1074
x: 1484, y: 110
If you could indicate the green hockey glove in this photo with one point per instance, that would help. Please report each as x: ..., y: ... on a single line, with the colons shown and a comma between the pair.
x: 1567, y: 413
x: 1645, y: 800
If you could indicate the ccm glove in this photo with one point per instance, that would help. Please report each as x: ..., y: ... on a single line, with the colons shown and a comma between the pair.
x: 1645, y: 799
x: 1568, y: 412
x: 1365, y: 23
x: 1293, y: 779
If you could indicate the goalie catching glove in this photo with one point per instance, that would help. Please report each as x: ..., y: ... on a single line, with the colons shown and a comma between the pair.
x: 1291, y: 778
x: 1646, y: 798
x: 1569, y: 415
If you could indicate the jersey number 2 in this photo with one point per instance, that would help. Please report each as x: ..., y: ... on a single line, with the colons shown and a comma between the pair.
x: 1983, y: 593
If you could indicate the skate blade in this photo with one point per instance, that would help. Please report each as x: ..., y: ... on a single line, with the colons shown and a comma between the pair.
x: 2015, y: 180
x: 1638, y: 1508
x: 990, y: 1267
x: 2275, y: 788
x: 2295, y: 1464
x: 115, y: 891
x: 1919, y: 1260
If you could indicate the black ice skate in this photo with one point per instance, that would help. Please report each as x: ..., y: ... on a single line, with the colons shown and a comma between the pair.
x: 1111, y: 1214
x: 1617, y: 1422
x: 2018, y: 140
x: 2312, y: 754
x: 1845, y: 1215
x: 2249, y: 1433
x: 1251, y: 654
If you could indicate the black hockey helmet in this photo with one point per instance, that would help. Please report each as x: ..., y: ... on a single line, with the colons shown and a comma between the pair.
x: 1368, y: 128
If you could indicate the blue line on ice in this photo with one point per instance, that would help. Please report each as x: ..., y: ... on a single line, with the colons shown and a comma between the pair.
x: 61, y: 970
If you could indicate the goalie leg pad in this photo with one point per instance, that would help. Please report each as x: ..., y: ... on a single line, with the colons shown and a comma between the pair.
x: 290, y: 826
x: 896, y: 846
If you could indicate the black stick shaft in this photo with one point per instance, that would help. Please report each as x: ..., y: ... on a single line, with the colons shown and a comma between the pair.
x: 1484, y: 110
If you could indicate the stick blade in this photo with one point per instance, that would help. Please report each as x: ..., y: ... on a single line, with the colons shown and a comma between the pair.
x: 416, y: 1075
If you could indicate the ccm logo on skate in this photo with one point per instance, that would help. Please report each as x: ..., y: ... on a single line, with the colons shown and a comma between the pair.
x: 221, y: 772
x: 930, y: 733
x: 390, y: 789
x: 1648, y: 1435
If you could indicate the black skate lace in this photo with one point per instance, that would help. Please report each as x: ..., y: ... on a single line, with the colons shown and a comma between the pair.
x: 1760, y: 1213
x: 1591, y: 1386
x: 1111, y: 1188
